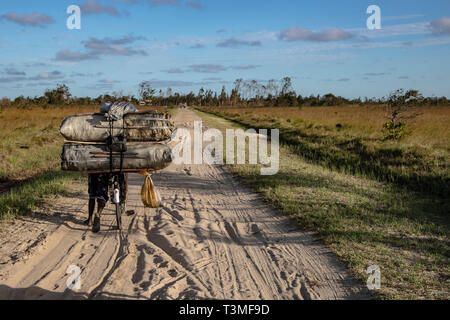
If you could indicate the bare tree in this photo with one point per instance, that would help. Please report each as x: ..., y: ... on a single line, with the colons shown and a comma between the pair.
x: 286, y: 86
x: 169, y: 92
x: 238, y: 84
x: 254, y: 85
x: 201, y: 93
x: 223, y: 97
x: 272, y: 88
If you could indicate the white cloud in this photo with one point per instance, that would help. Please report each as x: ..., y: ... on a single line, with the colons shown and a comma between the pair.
x: 48, y: 76
x: 441, y: 26
x: 173, y: 70
x: 94, y: 7
x: 67, y: 55
x: 297, y: 34
x: 34, y: 19
x: 237, y: 43
x: 207, y: 68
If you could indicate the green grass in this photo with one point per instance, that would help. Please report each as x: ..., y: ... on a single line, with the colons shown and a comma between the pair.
x: 173, y: 111
x: 364, y: 221
x: 24, y: 199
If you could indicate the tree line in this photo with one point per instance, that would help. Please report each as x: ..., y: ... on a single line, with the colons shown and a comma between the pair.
x: 270, y: 93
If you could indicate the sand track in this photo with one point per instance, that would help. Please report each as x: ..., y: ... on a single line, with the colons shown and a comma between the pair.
x: 211, y: 239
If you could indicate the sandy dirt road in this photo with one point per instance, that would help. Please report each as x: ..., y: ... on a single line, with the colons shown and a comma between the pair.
x: 211, y: 239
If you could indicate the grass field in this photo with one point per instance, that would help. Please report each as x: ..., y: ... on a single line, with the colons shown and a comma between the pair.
x: 364, y: 220
x: 350, y: 139
x: 30, y: 142
x: 30, y: 149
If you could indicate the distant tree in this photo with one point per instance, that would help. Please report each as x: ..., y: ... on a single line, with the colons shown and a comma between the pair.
x: 84, y: 100
x: 176, y: 98
x: 287, y: 96
x: 223, y: 97
x: 237, y: 90
x: 4, y: 102
x: 200, y: 96
x: 41, y: 101
x: 60, y: 95
x: 107, y: 97
x: 190, y: 98
x: 169, y: 92
x: 246, y: 91
x: 254, y: 86
x: 401, y: 106
x: 19, y: 101
x: 273, y: 88
x: 208, y: 97
x: 146, y: 92
x: 120, y: 96
x: 233, y: 97
x: 286, y: 86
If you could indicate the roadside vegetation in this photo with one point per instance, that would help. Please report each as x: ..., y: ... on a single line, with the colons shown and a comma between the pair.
x: 365, y: 220
x: 30, y: 147
x: 23, y: 199
x: 352, y: 139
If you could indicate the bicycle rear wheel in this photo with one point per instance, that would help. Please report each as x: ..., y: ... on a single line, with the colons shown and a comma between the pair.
x: 119, y: 216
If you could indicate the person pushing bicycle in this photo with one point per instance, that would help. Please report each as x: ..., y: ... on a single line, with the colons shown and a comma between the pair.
x: 99, y: 185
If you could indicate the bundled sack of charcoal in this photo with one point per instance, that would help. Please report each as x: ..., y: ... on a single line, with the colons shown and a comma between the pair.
x: 119, y: 138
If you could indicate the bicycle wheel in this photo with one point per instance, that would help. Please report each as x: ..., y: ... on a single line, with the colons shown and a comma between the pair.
x: 119, y: 216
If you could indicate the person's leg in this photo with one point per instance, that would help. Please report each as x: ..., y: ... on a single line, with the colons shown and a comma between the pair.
x: 91, y: 190
x: 91, y: 211
x: 102, y: 198
x: 123, y: 191
x: 125, y: 185
x: 124, y: 197
x: 101, y: 204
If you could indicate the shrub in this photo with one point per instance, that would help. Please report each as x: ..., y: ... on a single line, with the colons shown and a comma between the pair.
x: 4, y: 102
x: 394, y: 130
x: 401, y: 106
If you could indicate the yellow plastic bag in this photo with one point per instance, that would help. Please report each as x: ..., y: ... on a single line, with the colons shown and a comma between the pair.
x: 150, y: 197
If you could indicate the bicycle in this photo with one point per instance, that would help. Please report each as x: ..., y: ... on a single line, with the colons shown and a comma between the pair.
x: 115, y: 199
x: 117, y: 144
x: 118, y: 183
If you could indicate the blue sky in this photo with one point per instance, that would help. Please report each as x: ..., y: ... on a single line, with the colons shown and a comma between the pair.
x: 324, y: 46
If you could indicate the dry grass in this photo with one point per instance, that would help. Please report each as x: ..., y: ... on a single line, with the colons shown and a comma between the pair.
x: 30, y: 142
x: 431, y: 129
x: 420, y: 161
x: 364, y: 221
